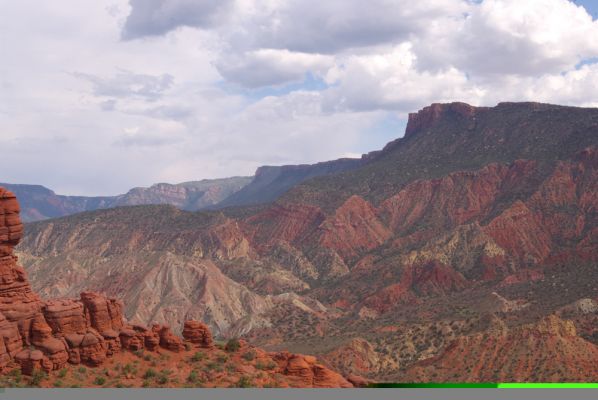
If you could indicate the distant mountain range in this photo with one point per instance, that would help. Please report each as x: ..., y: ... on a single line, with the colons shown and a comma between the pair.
x: 39, y: 203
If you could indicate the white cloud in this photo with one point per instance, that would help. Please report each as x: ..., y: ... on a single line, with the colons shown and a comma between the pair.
x: 98, y: 97
x: 511, y: 37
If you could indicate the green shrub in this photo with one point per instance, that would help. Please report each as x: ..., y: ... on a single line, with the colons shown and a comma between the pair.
x: 232, y: 345
x: 244, y: 382
x: 150, y: 373
x: 193, y: 377
x: 222, y: 358
x: 38, y: 377
x: 99, y: 380
x: 198, y: 356
x: 249, y: 355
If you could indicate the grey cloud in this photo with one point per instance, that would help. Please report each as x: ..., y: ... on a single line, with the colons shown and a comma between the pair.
x: 145, y: 140
x: 165, y: 112
x: 108, y: 105
x: 157, y: 17
x: 128, y: 84
x: 334, y: 25
x: 270, y: 67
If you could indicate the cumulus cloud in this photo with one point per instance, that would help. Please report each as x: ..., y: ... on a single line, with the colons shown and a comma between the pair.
x: 511, y: 37
x: 98, y: 97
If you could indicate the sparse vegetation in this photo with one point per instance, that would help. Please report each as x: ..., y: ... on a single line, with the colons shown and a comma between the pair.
x: 249, y: 355
x: 150, y: 373
x: 99, y: 380
x: 233, y: 345
x: 198, y: 356
x: 244, y: 382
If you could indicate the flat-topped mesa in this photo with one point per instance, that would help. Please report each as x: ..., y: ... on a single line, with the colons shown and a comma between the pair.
x: 428, y: 116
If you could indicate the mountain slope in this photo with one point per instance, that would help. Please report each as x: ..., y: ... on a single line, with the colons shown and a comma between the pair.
x: 270, y: 182
x: 474, y: 211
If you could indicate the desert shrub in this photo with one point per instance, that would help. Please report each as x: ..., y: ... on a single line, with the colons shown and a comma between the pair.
x: 232, y: 345
x: 99, y: 380
x: 244, y: 382
x: 38, y: 377
x: 198, y: 356
x: 193, y: 377
x: 150, y: 373
x: 222, y: 358
x: 249, y: 355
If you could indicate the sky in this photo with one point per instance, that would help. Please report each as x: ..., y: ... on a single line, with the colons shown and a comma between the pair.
x: 97, y: 97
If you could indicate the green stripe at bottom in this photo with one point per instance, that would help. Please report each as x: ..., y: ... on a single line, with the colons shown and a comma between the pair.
x: 487, y: 385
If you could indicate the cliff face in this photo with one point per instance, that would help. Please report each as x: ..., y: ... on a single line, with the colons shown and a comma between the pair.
x: 49, y: 335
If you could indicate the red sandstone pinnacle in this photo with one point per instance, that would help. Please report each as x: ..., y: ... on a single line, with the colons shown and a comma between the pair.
x: 104, y: 314
x: 305, y: 372
x: 11, y: 228
x: 167, y: 339
x: 198, y: 333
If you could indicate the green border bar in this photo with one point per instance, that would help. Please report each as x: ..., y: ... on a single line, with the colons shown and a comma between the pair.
x: 548, y: 385
x: 486, y: 385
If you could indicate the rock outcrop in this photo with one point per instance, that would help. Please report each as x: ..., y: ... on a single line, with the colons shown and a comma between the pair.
x: 305, y: 371
x: 198, y: 333
x: 85, y: 330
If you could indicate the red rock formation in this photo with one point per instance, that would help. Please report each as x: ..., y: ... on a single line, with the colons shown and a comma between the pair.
x: 29, y: 361
x: 304, y: 371
x: 102, y: 313
x: 167, y: 339
x: 198, y: 333
x: 18, y: 303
